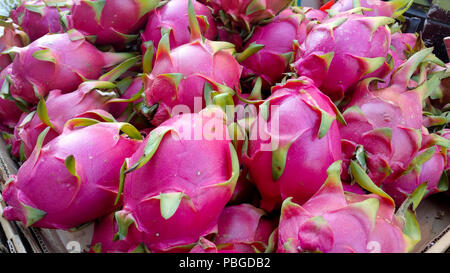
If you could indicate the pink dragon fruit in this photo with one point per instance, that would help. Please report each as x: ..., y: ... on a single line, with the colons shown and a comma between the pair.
x: 183, y: 192
x: 204, y: 246
x: 428, y: 166
x: 241, y: 229
x: 103, y: 239
x: 120, y: 109
x: 40, y: 17
x: 402, y: 47
x: 247, y: 13
x: 276, y: 40
x: 10, y: 113
x: 281, y: 146
x: 403, y: 43
x: 231, y: 235
x: 335, y: 60
x: 130, y: 107
x: 393, y: 8
x: 387, y: 122
x: 173, y: 18
x: 179, y: 79
x: 333, y: 222
x: 110, y: 21
x: 54, y: 112
x: 314, y: 14
x: 57, y: 61
x: 10, y: 37
x: 73, y: 179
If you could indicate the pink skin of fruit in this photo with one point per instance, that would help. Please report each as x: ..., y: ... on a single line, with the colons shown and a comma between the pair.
x: 113, y: 23
x: 244, y: 227
x: 446, y: 134
x: 9, y: 112
x: 399, y: 188
x: 9, y: 115
x: 333, y: 222
x: 277, y: 37
x: 58, y: 61
x: 204, y: 246
x: 335, y: 60
x: 155, y: 208
x: 401, y: 44
x: 315, y: 14
x: 355, y: 188
x: 390, y: 141
x: 387, y: 235
x: 392, y: 8
x: 10, y: 37
x: 387, y: 122
x: 307, y: 144
x: 118, y: 109
x: 241, y: 229
x: 173, y: 17
x: 73, y: 179
x: 85, y: 98
x: 37, y: 18
x: 178, y: 79
x: 249, y: 12
x: 103, y: 240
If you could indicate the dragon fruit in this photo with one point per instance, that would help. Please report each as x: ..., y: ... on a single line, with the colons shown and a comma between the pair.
x: 402, y: 47
x: 57, y: 61
x: 387, y: 122
x: 335, y: 60
x: 179, y: 79
x: 54, y: 112
x: 204, y: 246
x: 231, y: 234
x: 72, y: 180
x: 403, y: 43
x: 281, y: 146
x: 276, y: 40
x: 119, y: 110
x: 10, y: 113
x: 393, y: 8
x: 40, y: 17
x: 130, y: 107
x: 103, y: 239
x: 332, y: 221
x: 315, y: 14
x: 10, y: 37
x: 428, y: 167
x: 183, y: 192
x: 110, y: 21
x: 247, y: 13
x: 241, y: 229
x: 173, y: 18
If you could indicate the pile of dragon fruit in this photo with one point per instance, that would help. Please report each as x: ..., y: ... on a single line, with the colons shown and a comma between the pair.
x: 222, y: 126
